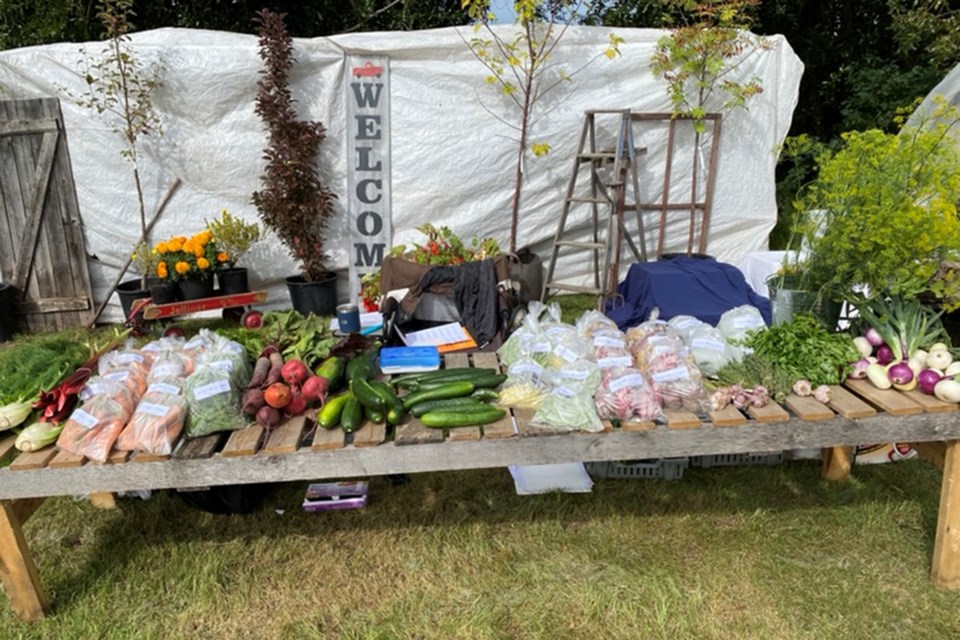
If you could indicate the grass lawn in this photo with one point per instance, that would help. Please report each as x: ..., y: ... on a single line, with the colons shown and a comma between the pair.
x: 736, y: 552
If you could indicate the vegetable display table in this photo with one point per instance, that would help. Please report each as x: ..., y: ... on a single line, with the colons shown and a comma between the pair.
x: 858, y: 414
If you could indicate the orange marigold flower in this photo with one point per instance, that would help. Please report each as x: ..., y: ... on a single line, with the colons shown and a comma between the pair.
x: 181, y: 239
x: 203, y: 263
x: 198, y: 251
x: 182, y: 267
x: 223, y: 257
x: 175, y: 245
x: 161, y: 248
x: 162, y: 269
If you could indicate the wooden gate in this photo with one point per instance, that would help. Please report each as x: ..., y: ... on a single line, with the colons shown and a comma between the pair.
x: 42, y: 253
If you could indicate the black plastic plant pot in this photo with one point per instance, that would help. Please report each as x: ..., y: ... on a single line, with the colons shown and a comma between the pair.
x: 128, y: 292
x: 7, y: 319
x: 318, y: 297
x: 233, y: 281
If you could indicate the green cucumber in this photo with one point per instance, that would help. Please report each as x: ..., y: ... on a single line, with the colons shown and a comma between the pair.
x: 480, y: 382
x: 361, y: 365
x: 465, y: 403
x: 352, y: 416
x: 449, y: 418
x: 441, y: 375
x: 333, y: 369
x: 329, y: 415
x: 392, y: 404
x: 369, y: 398
x: 374, y: 415
x: 484, y: 394
x: 450, y: 390
x: 395, y: 415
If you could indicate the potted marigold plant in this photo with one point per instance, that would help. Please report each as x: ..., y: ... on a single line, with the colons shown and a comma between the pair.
x: 293, y: 202
x: 190, y: 262
x: 234, y: 237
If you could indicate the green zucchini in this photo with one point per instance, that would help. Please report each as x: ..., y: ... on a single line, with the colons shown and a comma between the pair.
x: 361, y: 365
x: 465, y: 403
x: 449, y: 418
x: 352, y: 416
x: 329, y: 415
x: 369, y: 398
x: 450, y: 390
x: 374, y: 415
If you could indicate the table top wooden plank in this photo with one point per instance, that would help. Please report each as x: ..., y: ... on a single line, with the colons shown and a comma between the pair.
x: 729, y: 416
x: 243, y: 442
x: 462, y: 434
x: 370, y: 434
x: 889, y: 400
x: 503, y: 428
x: 285, y: 438
x: 770, y: 413
x: 930, y: 404
x: 808, y: 408
x: 6, y: 445
x: 143, y: 456
x: 486, y: 360
x: 677, y: 419
x: 849, y: 405
x: 33, y: 459
x: 327, y: 439
x: 118, y: 457
x: 199, y: 448
x: 637, y: 425
x: 412, y: 432
x: 65, y: 459
x: 456, y: 360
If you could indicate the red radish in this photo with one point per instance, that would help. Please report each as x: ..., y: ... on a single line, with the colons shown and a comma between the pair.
x: 251, y: 319
x: 315, y: 388
x: 298, y: 404
x: 278, y: 395
x: 294, y: 372
x: 173, y: 331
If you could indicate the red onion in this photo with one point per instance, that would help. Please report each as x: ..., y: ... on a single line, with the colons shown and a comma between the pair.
x: 859, y: 369
x: 927, y: 380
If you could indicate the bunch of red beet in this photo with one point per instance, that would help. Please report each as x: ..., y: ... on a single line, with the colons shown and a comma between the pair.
x: 279, y: 390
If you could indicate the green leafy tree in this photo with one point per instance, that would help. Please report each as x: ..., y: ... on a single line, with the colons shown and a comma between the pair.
x: 120, y: 85
x: 522, y: 69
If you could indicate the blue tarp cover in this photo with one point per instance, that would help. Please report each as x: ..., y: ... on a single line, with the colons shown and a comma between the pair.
x: 699, y: 287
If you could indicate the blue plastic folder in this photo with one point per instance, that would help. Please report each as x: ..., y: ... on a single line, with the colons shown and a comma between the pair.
x: 409, y: 359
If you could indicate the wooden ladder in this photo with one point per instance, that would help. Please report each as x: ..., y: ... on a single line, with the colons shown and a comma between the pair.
x: 609, y: 193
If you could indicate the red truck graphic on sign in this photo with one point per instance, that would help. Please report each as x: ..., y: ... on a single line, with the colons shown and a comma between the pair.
x: 368, y: 70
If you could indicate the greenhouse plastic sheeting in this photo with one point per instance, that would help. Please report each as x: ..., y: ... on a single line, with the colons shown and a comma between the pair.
x: 453, y: 158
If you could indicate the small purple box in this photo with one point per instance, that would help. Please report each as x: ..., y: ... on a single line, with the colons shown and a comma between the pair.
x: 329, y: 496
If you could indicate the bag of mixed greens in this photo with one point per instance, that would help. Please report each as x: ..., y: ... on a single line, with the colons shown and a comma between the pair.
x: 213, y: 401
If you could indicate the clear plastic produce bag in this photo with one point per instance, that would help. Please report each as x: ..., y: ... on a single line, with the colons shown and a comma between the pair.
x: 625, y: 394
x: 213, y: 401
x: 567, y: 410
x: 155, y: 425
x: 736, y: 323
x: 94, y: 427
x: 709, y: 349
x: 524, y: 387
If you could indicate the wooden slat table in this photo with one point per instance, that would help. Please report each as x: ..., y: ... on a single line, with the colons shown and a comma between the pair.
x: 299, y: 452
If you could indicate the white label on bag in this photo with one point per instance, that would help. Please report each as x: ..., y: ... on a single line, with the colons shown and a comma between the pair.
x: 654, y: 339
x: 708, y: 344
x: 163, y: 387
x: 210, y: 389
x: 567, y: 354
x: 93, y: 389
x: 660, y: 349
x: 223, y: 365
x: 686, y: 323
x: 624, y: 382
x: 84, y: 419
x: 615, y: 361
x: 526, y: 367
x: 153, y: 409
x: 557, y: 330
x: 196, y: 343
x: 748, y: 322
x: 167, y: 370
x: 151, y: 347
x: 678, y: 373
x: 563, y: 392
x: 127, y: 358
x: 608, y: 341
x: 117, y: 376
x: 541, y: 347
x: 572, y: 374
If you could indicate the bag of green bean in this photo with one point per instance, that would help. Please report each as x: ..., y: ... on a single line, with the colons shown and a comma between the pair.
x: 213, y: 401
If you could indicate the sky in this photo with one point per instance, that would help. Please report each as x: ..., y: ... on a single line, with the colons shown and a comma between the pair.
x: 503, y: 10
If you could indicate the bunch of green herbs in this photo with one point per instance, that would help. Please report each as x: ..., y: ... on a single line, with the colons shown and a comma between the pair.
x: 803, y: 350
x: 754, y: 371
x: 37, y: 363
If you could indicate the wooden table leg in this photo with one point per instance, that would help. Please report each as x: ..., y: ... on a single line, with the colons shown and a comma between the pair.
x: 836, y: 463
x: 945, y: 572
x: 17, y: 569
x: 103, y: 500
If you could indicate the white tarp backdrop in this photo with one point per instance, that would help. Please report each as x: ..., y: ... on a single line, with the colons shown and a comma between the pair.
x: 452, y: 161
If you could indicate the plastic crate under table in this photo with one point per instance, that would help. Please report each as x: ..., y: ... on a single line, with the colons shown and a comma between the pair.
x: 662, y: 468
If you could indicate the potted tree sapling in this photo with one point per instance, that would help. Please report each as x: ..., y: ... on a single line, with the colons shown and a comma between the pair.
x: 293, y: 202
x: 234, y: 237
